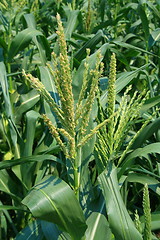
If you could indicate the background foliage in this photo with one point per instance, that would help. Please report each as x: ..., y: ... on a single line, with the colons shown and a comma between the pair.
x: 111, y: 189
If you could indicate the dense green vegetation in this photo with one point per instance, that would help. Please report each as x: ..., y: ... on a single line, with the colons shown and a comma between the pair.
x: 80, y: 121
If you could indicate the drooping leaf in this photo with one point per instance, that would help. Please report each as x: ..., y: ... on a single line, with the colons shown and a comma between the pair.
x: 139, y: 152
x: 52, y: 200
x: 7, y: 207
x: 129, y: 46
x: 31, y: 118
x: 151, y: 102
x: 28, y: 169
x: 27, y: 100
x: 143, y: 179
x: 4, y: 223
x: 35, y: 158
x: 30, y: 20
x: 21, y: 41
x: 146, y: 133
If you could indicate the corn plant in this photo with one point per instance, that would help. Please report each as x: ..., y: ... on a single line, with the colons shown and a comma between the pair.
x: 77, y: 146
x: 74, y: 131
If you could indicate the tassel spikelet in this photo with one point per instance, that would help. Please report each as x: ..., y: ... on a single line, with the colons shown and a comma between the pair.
x: 87, y: 107
x: 82, y: 94
x: 54, y: 131
x: 128, y: 111
x: 35, y: 83
x: 71, y: 143
x: 70, y: 119
x: 135, y: 136
x: 56, y: 75
x: 93, y: 131
x: 65, y: 82
x: 111, y: 139
x: 111, y: 98
x: 111, y: 86
x: 137, y: 222
x: 147, y: 214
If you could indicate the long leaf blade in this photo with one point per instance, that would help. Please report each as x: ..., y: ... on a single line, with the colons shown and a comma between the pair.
x: 21, y: 41
x: 120, y: 222
x: 52, y: 200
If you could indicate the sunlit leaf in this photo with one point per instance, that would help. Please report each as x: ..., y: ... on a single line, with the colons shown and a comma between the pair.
x: 52, y: 200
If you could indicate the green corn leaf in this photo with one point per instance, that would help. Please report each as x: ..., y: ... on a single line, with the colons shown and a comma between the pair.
x: 27, y: 100
x: 144, y: 20
x: 154, y: 7
x: 15, y: 136
x: 3, y: 44
x: 139, y: 152
x: 154, y: 37
x: 5, y: 90
x: 6, y: 216
x: 119, y: 220
x: 98, y: 227
x: 52, y: 200
x: 151, y: 102
x: 91, y: 43
x: 21, y: 41
x: 40, y: 41
x: 35, y: 158
x: 30, y: 20
x: 129, y: 46
x: 48, y: 82
x: 31, y: 118
x: 125, y: 78
x: 28, y: 169
x: 146, y: 133
x: 72, y: 22
x: 143, y: 179
x: 32, y: 232
x: 9, y: 186
x: 7, y: 207
x: 51, y: 231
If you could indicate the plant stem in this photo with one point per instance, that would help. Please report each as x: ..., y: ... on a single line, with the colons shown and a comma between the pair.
x: 77, y: 172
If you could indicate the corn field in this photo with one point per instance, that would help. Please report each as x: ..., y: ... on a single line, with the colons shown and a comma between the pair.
x: 80, y: 120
